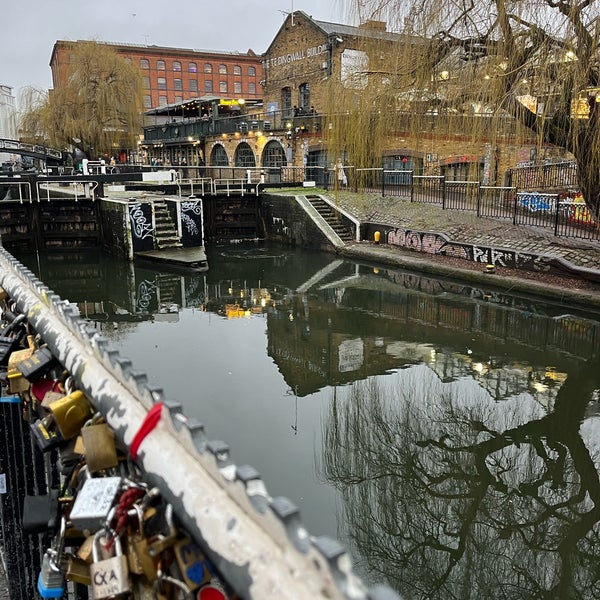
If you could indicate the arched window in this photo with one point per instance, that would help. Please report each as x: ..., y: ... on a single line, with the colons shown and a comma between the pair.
x: 218, y: 156
x: 192, y: 67
x: 244, y: 157
x: 160, y: 65
x: 273, y: 155
x: 222, y: 69
x: 237, y: 70
x: 207, y: 68
x: 176, y: 65
x: 251, y: 72
x: 144, y: 63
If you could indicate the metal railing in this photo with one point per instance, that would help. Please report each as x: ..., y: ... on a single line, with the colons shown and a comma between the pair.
x: 566, y: 215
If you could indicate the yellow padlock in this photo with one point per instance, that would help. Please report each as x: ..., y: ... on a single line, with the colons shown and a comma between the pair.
x: 70, y: 413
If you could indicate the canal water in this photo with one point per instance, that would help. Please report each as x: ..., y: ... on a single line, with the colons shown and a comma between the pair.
x: 447, y: 434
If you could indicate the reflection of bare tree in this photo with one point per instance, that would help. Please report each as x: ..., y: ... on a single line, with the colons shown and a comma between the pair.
x: 451, y: 495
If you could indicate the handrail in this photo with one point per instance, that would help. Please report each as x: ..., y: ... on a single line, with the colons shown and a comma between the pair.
x: 257, y: 542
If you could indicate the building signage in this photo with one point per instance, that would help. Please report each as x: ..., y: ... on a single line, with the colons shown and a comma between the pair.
x: 291, y: 57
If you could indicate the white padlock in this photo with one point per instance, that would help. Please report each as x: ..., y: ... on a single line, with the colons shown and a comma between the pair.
x: 110, y: 577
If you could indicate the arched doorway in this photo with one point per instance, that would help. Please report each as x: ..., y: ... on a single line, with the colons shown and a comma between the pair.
x: 244, y: 157
x: 273, y: 159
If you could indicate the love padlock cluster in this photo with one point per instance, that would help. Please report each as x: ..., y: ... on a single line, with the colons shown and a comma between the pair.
x: 107, y: 529
x: 121, y: 539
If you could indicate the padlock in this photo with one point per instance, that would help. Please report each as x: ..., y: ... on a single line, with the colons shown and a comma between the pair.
x: 45, y: 434
x: 70, y: 413
x: 93, y: 502
x: 51, y: 580
x: 40, y: 513
x: 38, y: 364
x: 78, y: 570
x: 138, y: 556
x: 18, y: 383
x: 191, y: 562
x: 110, y: 576
x: 161, y: 542
x: 84, y: 552
x: 99, y: 446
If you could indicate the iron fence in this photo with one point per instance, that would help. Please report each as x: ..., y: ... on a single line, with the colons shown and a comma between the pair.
x: 566, y: 214
x: 544, y: 176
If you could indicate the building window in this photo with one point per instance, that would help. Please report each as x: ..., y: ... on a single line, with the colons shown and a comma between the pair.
x: 273, y: 155
x: 144, y: 63
x: 192, y: 67
x: 128, y: 60
x: 178, y: 98
x: 162, y: 100
x: 146, y: 83
x: 160, y: 65
x: 193, y: 85
x: 252, y: 89
x: 244, y: 157
x: 147, y: 101
x: 304, y: 96
x: 162, y: 83
x: 177, y: 84
x: 207, y: 68
x: 237, y: 87
x: 176, y: 65
x: 251, y: 72
x: 222, y: 69
x: 208, y: 86
x: 237, y: 70
x: 286, y: 102
x: 223, y: 87
x: 218, y: 157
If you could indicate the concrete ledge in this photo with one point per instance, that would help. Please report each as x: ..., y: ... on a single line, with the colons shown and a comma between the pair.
x: 395, y: 257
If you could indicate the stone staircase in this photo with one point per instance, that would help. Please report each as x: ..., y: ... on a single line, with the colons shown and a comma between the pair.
x: 165, y: 232
x: 332, y: 218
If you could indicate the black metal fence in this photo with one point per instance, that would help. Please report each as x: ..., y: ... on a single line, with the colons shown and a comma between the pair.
x: 566, y: 214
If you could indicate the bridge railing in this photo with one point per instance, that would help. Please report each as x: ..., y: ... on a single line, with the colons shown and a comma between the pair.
x: 256, y: 542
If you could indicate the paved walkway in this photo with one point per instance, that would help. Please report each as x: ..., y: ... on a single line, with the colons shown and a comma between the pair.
x: 469, y: 228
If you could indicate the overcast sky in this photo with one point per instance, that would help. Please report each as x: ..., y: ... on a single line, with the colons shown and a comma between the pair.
x: 29, y: 29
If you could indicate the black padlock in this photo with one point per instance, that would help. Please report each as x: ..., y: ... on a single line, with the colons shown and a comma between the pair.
x: 40, y: 513
x: 38, y: 364
x: 46, y: 435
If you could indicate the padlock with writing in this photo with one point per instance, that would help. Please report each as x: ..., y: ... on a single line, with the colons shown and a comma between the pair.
x: 38, y: 364
x: 45, y: 434
x: 98, y: 445
x: 51, y: 580
x: 70, y: 413
x: 110, y: 576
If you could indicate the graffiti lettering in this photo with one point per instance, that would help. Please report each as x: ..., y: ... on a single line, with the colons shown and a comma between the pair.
x: 139, y: 225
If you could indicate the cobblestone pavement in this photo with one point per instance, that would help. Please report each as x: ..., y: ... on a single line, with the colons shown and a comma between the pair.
x: 468, y: 227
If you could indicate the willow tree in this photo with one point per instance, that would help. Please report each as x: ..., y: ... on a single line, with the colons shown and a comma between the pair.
x: 95, y: 107
x: 493, y: 69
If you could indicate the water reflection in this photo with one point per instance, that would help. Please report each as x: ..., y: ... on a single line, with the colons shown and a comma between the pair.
x: 455, y: 427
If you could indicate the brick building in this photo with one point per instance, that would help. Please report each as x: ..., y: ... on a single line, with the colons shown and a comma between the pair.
x: 172, y: 75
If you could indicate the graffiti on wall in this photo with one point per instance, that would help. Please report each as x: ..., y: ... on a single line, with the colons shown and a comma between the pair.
x: 140, y: 216
x: 437, y: 243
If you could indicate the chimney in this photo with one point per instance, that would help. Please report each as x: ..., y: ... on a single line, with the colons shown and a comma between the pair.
x: 374, y: 25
